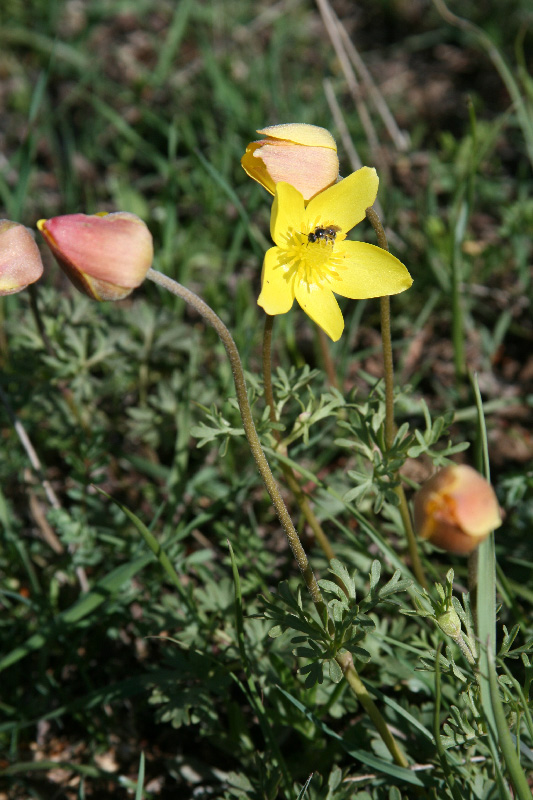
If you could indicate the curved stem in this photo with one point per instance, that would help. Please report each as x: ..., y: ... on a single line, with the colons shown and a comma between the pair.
x: 390, y: 427
x: 249, y: 428
x: 288, y: 473
x: 345, y: 661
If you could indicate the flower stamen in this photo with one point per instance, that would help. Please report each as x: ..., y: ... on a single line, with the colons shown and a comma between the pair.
x: 312, y: 261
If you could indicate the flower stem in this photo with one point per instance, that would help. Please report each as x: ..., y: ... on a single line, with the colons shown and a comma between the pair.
x: 388, y: 369
x: 416, y: 564
x: 345, y: 661
x: 267, y: 371
x: 289, y: 474
x: 249, y: 428
x: 390, y: 427
x: 329, y: 365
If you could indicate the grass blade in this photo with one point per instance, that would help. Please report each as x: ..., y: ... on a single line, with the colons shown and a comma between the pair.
x: 152, y: 543
x: 383, y: 767
x: 102, y: 591
x: 518, y: 777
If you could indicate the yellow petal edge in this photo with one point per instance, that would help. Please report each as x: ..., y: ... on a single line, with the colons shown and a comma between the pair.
x: 301, y: 133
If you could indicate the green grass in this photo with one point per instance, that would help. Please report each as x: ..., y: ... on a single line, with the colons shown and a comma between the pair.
x: 164, y: 668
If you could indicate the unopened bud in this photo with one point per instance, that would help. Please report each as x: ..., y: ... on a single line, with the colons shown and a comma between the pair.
x: 303, y: 155
x: 20, y: 260
x: 456, y: 509
x: 105, y: 256
x: 449, y: 623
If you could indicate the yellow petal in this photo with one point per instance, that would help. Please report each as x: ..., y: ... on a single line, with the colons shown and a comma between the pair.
x: 277, y: 282
x: 367, y: 271
x: 345, y: 203
x: 255, y: 167
x: 320, y: 304
x: 300, y: 133
x: 287, y: 214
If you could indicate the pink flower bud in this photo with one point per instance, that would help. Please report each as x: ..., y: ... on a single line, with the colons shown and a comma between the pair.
x: 303, y: 155
x: 20, y: 260
x: 456, y: 509
x: 105, y: 256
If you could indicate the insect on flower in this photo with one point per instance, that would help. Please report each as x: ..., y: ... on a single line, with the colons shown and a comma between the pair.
x: 312, y: 260
x: 323, y: 234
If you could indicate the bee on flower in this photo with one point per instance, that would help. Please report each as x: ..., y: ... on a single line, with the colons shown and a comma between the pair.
x: 312, y: 260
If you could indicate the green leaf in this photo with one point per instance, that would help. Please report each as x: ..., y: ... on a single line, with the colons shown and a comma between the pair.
x: 379, y: 764
x: 101, y: 591
x: 140, y: 779
x: 335, y: 672
x: 375, y: 573
x: 302, y: 793
x: 338, y: 569
x: 333, y: 588
x: 152, y: 543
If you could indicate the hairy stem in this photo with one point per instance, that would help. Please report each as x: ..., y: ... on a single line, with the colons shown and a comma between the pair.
x: 288, y: 473
x: 412, y: 546
x: 329, y: 364
x: 388, y: 370
x: 267, y: 371
x: 345, y: 661
x: 249, y: 428
x: 390, y: 427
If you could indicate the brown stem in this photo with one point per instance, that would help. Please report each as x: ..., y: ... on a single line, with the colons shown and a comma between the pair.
x: 329, y: 364
x: 45, y: 483
x: 390, y: 428
x: 267, y: 372
x: 249, y: 428
x: 412, y: 545
x: 288, y: 473
x: 345, y: 661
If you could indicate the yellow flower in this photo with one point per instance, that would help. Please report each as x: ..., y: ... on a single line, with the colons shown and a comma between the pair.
x: 312, y: 260
x: 303, y: 155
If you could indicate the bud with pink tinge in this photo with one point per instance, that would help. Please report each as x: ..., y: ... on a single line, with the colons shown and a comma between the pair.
x: 20, y: 260
x: 105, y: 256
x: 456, y: 509
x: 303, y: 155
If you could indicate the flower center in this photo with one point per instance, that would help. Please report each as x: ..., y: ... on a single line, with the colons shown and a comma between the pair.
x: 314, y: 261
